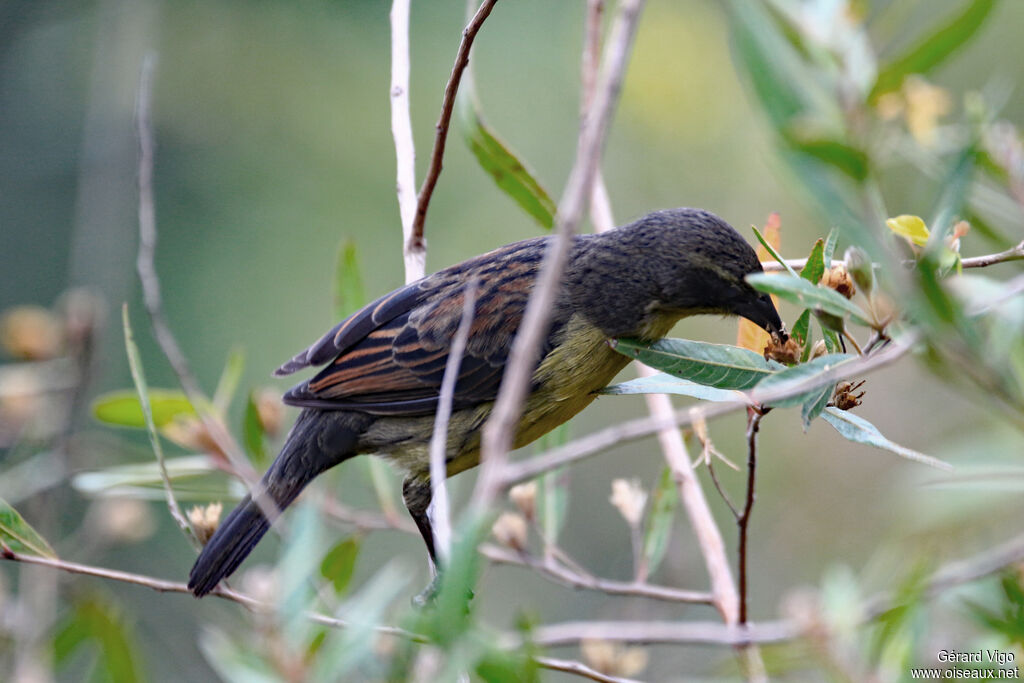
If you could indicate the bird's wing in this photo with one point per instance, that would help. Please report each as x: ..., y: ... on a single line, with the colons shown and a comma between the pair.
x: 389, y: 358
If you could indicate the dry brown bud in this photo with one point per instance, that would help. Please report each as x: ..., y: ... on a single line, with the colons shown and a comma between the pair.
x: 845, y: 398
x: 189, y: 432
x: 788, y: 352
x: 629, y: 497
x: 205, y: 520
x: 270, y: 411
x: 612, y: 659
x: 510, y: 531
x: 819, y: 349
x: 838, y: 279
x: 524, y: 496
x: 31, y: 333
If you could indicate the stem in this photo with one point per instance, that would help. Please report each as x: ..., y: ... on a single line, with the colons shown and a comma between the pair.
x: 754, y: 416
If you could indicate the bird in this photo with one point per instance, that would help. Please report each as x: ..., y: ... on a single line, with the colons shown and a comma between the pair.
x: 382, y: 367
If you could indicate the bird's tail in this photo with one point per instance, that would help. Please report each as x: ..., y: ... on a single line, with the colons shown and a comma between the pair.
x: 318, y: 441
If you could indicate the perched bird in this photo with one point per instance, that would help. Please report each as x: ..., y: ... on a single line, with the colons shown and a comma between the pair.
x: 380, y: 386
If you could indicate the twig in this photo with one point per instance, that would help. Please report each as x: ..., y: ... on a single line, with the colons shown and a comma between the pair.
x: 153, y: 300
x: 580, y: 669
x: 401, y: 131
x: 500, y: 427
x: 365, y: 520
x: 441, y: 521
x: 709, y: 537
x: 574, y: 579
x: 649, y: 632
x: 743, y: 519
x: 721, y: 491
x: 416, y: 241
x: 1012, y: 254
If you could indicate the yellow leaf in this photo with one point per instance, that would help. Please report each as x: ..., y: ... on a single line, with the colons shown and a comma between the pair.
x: 749, y: 335
x: 911, y: 227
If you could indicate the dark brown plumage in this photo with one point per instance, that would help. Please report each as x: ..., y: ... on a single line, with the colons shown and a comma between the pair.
x: 383, y: 366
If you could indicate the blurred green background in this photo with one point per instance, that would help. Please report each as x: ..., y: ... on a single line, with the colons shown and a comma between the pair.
x: 273, y: 130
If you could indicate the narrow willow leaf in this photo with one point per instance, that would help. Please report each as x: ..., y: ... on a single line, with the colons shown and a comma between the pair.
x: 663, y: 383
x: 830, y: 248
x: 933, y: 48
x: 832, y: 343
x: 234, y: 662
x: 553, y: 501
x: 658, y: 529
x: 122, y: 408
x: 339, y: 563
x: 814, y: 404
x: 951, y: 202
x: 799, y: 376
x: 849, y: 160
x: 815, y: 266
x: 856, y: 428
x: 509, y: 173
x: 716, y: 365
x: 803, y: 293
x: 19, y: 535
x: 349, y: 292
x: 252, y: 431
x: 773, y: 251
x: 228, y: 382
x: 190, y: 474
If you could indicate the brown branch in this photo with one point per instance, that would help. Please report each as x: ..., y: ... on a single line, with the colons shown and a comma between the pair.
x: 416, y: 241
x: 579, y: 669
x: 549, y: 568
x: 743, y: 519
x: 366, y: 520
x: 500, y: 427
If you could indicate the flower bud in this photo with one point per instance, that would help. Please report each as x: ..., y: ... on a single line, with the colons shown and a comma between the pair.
x: 270, y: 412
x: 510, y: 531
x: 31, y: 333
x: 860, y: 267
x: 629, y: 498
x: 819, y: 349
x: 525, y: 498
x: 205, y: 520
x: 838, y: 279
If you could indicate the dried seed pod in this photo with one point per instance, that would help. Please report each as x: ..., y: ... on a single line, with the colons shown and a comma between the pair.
x: 845, y: 398
x: 838, y: 279
x: 787, y: 352
x: 510, y: 531
x: 205, y: 520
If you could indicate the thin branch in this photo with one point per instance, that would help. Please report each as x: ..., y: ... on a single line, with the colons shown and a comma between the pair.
x: 365, y: 520
x: 721, y: 491
x: 743, y: 519
x: 650, y: 632
x: 401, y: 131
x: 1012, y: 254
x: 441, y: 521
x: 568, y: 577
x: 416, y: 240
x: 145, y: 265
x: 500, y: 427
x: 579, y: 669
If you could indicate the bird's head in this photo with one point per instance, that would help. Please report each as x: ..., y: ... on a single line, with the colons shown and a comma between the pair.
x: 689, y: 261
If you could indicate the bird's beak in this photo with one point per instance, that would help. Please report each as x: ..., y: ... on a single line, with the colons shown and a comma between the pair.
x: 761, y: 311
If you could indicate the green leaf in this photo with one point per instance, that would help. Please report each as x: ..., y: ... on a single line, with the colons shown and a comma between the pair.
x: 122, y: 408
x: 830, y: 249
x: 815, y: 266
x: 933, y: 49
x: 93, y: 620
x: 851, y: 161
x: 143, y: 480
x: 228, y: 382
x: 252, y: 431
x: 658, y: 529
x: 349, y: 292
x: 717, y: 365
x: 509, y: 173
x: 859, y: 430
x: 803, y: 293
x: 663, y: 383
x: 19, y: 535
x: 801, y: 331
x: 802, y: 375
x: 339, y: 563
x: 814, y: 404
x: 771, y: 250
x: 235, y: 662
x: 553, y: 503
